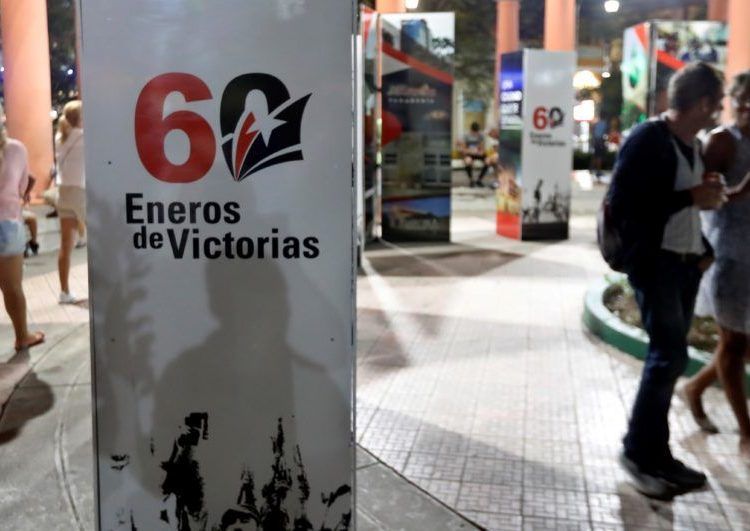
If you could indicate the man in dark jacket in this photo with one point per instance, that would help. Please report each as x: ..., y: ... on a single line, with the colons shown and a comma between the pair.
x: 657, y: 191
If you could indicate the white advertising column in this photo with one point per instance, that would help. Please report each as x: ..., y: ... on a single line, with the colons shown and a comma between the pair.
x: 535, y: 144
x: 547, y: 143
x: 219, y: 164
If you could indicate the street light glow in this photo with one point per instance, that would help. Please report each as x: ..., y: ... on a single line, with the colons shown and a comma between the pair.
x: 612, y: 6
x: 411, y: 4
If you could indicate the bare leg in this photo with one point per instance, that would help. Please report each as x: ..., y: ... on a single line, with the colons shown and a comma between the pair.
x: 11, y: 276
x: 68, y: 228
x: 731, y: 369
x: 693, y: 394
x: 81, y: 230
x: 469, y: 168
x: 33, y: 225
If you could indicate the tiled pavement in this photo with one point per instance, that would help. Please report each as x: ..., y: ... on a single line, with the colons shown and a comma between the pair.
x: 45, y: 426
x: 478, y: 382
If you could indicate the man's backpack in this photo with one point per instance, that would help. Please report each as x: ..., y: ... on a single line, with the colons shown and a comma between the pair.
x: 609, y: 238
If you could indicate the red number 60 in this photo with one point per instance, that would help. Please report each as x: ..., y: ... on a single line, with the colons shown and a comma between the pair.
x: 151, y: 128
x: 540, y: 118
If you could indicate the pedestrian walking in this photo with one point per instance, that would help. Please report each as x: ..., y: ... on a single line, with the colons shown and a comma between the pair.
x: 71, y: 182
x: 15, y: 186
x: 657, y: 190
x: 727, y: 283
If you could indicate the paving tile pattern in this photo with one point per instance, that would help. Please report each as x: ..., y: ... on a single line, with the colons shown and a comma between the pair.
x: 477, y: 381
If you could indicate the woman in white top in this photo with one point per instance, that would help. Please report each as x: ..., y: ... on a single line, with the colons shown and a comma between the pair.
x: 71, y: 181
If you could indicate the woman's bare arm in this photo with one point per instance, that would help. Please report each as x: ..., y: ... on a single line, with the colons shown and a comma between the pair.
x: 719, y: 151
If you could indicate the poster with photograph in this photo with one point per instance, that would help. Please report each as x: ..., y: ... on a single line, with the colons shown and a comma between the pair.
x: 653, y: 51
x: 371, y: 187
x: 677, y: 43
x: 635, y: 67
x: 511, y: 98
x: 221, y: 248
x: 417, y: 92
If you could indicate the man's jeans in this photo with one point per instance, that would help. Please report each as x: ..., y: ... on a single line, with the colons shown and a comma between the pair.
x: 666, y: 297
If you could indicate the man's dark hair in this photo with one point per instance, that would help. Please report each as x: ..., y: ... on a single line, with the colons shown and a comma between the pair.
x: 474, y: 126
x: 692, y: 83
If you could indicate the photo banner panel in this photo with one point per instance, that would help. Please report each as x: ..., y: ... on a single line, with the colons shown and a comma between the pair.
x: 417, y: 104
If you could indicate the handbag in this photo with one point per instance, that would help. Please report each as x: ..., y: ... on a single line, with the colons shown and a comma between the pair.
x: 609, y: 238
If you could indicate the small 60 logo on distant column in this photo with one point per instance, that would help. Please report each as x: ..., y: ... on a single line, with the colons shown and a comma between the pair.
x: 545, y: 118
x: 260, y: 126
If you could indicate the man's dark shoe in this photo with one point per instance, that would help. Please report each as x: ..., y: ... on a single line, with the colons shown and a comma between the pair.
x: 646, y: 482
x: 682, y: 476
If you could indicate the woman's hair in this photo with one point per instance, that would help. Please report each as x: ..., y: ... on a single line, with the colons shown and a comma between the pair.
x: 71, y: 117
x: 740, y: 82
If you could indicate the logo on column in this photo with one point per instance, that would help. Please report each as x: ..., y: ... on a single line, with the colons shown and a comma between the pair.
x: 260, y: 124
x: 259, y: 121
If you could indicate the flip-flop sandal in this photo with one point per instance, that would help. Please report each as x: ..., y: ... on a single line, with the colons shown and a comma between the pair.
x: 39, y: 339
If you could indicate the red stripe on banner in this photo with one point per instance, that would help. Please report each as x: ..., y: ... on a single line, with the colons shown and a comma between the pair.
x: 399, y: 198
x: 640, y: 31
x: 509, y: 225
x: 669, y: 60
x: 368, y: 16
x: 417, y: 64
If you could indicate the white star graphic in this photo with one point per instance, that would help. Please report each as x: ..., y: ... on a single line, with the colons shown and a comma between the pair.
x: 265, y: 125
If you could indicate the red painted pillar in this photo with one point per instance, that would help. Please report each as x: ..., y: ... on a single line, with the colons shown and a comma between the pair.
x: 390, y: 6
x: 507, y: 36
x: 718, y: 10
x: 28, y: 97
x: 738, y: 48
x: 560, y: 25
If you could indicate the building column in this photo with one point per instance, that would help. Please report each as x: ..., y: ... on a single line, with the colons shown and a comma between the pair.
x: 717, y: 10
x: 507, y: 35
x: 560, y: 25
x: 390, y: 6
x: 738, y: 48
x: 28, y: 93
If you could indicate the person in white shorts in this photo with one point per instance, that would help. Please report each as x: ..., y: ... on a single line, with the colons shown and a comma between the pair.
x: 71, y: 182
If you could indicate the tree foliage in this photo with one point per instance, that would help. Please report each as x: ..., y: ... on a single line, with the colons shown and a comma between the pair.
x: 62, y: 47
x: 474, y: 60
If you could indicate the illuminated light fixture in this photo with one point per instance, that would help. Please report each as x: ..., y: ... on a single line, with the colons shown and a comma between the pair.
x: 585, y: 79
x: 411, y: 4
x: 612, y: 6
x: 606, y: 75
